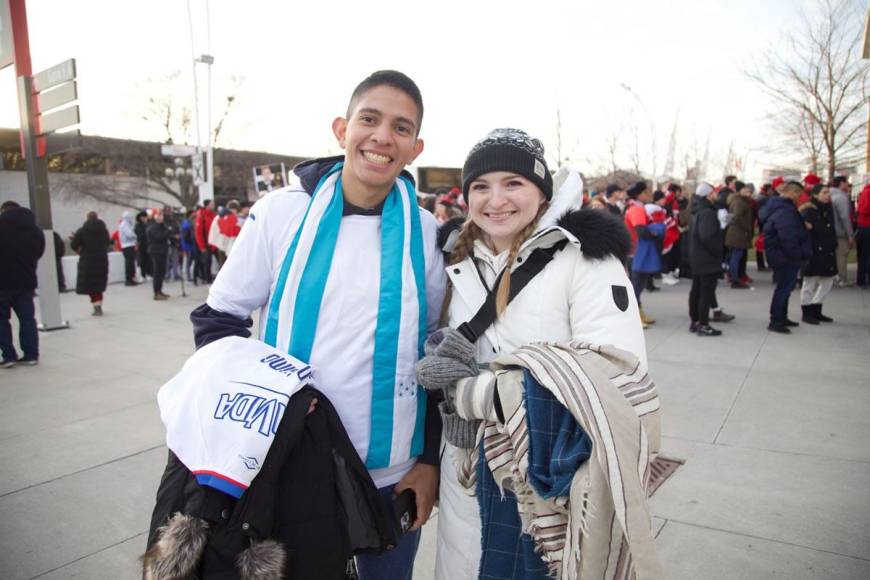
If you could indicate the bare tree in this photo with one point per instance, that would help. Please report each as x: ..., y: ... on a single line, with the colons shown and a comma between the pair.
x: 820, y: 82
x: 153, y: 171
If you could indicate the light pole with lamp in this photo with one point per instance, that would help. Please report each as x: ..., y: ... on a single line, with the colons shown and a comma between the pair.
x: 652, y: 129
x: 205, y: 183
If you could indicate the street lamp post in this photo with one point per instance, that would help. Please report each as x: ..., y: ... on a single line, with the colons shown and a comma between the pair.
x: 652, y: 129
x: 206, y: 183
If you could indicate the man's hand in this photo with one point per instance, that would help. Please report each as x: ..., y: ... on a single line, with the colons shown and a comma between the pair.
x: 423, y: 479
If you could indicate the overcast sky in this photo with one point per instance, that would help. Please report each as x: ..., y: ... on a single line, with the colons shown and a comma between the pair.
x: 479, y: 64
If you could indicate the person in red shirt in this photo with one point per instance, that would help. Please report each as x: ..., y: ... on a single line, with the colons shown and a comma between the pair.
x: 204, y: 217
x: 637, y: 222
x: 863, y: 238
x: 229, y: 228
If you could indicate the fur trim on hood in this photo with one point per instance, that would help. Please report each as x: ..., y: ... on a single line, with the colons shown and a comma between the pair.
x: 600, y: 233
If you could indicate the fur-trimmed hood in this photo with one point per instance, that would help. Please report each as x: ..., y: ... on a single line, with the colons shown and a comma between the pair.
x: 600, y: 233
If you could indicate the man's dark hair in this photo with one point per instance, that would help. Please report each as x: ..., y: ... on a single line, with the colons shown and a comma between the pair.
x: 738, y: 185
x: 390, y: 78
x: 674, y: 188
x: 838, y: 180
x: 793, y: 185
x: 636, y: 189
x: 611, y: 189
x: 8, y: 205
x: 730, y: 178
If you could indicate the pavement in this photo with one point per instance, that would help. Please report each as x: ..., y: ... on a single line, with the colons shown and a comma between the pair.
x: 774, y: 431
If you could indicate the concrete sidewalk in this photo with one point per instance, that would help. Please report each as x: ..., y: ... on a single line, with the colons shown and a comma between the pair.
x: 774, y: 430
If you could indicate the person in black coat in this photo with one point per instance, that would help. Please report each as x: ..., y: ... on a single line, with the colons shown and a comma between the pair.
x: 92, y: 242
x: 59, y: 251
x: 819, y: 272
x: 787, y: 245
x: 21, y: 245
x: 141, y: 229
x: 705, y: 257
x: 158, y: 250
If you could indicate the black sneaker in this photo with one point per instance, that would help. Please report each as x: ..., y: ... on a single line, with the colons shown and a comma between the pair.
x: 694, y: 327
x: 7, y: 364
x: 707, y: 330
x: 30, y: 362
x: 791, y: 323
x: 740, y: 286
x: 780, y: 328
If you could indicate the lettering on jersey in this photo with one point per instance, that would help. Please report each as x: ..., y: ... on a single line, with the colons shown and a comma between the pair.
x: 252, y: 411
x: 284, y: 366
x: 250, y: 461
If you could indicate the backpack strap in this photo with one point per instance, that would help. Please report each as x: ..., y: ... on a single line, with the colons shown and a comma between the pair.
x: 486, y: 315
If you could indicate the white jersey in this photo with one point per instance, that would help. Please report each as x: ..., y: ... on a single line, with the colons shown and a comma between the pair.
x: 221, y: 411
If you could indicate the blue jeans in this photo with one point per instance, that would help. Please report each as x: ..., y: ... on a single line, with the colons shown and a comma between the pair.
x: 22, y: 303
x: 734, y: 263
x: 786, y: 277
x: 396, y: 564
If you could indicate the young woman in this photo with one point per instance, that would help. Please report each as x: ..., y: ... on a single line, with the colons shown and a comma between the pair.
x: 582, y: 293
x: 819, y: 272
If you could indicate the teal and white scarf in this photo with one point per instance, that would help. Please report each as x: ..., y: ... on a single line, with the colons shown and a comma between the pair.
x: 295, y: 304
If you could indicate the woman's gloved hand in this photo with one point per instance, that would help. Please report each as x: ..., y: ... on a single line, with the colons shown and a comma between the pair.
x: 449, y: 357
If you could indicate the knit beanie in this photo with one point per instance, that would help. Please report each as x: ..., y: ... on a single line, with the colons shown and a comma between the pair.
x: 508, y: 150
x: 703, y: 190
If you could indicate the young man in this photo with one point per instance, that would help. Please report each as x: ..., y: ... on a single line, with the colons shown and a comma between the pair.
x: 614, y: 198
x: 787, y: 246
x: 738, y: 235
x: 842, y: 203
x: 345, y: 271
x: 21, y: 245
x: 705, y: 254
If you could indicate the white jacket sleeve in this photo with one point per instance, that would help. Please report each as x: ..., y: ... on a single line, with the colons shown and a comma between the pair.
x: 245, y: 280
x: 603, y: 308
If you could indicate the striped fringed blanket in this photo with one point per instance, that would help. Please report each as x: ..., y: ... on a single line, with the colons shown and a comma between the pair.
x: 605, y: 521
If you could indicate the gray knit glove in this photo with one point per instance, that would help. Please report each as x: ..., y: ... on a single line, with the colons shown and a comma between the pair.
x: 449, y: 357
x: 458, y: 431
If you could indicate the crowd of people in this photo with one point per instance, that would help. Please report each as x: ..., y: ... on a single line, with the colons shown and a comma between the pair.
x: 171, y: 246
x: 803, y: 231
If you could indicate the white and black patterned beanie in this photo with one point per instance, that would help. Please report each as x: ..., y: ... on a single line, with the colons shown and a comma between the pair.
x: 508, y: 150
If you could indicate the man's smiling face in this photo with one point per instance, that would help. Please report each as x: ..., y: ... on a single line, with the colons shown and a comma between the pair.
x: 379, y: 138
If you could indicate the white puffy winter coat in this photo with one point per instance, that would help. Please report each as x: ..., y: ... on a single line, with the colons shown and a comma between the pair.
x: 583, y: 293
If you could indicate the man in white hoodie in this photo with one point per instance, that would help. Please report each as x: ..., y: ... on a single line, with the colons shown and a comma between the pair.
x: 127, y: 237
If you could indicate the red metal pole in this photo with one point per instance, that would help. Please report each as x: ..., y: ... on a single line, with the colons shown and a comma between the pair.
x: 21, y: 44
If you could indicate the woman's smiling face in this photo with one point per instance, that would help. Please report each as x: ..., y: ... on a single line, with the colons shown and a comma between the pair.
x: 502, y: 204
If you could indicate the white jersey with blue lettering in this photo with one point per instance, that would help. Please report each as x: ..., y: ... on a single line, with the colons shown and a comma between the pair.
x: 344, y: 345
x: 221, y: 411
